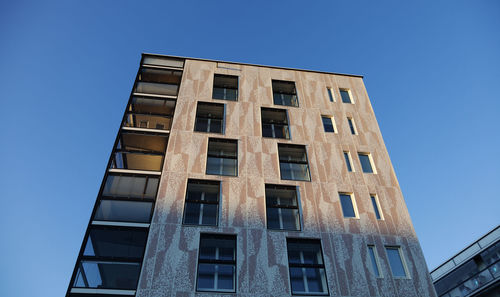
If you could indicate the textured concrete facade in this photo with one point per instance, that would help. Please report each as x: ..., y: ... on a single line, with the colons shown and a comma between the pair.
x: 170, y: 262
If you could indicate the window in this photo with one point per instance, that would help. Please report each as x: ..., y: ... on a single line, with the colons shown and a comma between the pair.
x: 222, y: 157
x: 306, y: 267
x: 202, y: 202
x: 376, y: 206
x: 330, y: 94
x: 327, y: 124
x: 282, y: 208
x: 275, y: 123
x: 209, y: 117
x: 348, y: 205
x: 352, y: 127
x: 366, y: 162
x: 225, y: 87
x: 346, y: 95
x: 374, y: 259
x: 293, y: 162
x: 109, y: 250
x: 284, y: 93
x: 347, y: 157
x: 217, y: 263
x: 394, y: 255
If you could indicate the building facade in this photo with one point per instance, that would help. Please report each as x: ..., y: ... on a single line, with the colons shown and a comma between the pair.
x: 475, y: 271
x: 248, y: 180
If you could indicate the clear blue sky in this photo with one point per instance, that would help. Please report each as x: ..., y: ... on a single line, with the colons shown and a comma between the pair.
x: 432, y: 70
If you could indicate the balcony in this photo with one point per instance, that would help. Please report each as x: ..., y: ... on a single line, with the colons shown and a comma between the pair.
x: 158, y: 81
x: 149, y: 113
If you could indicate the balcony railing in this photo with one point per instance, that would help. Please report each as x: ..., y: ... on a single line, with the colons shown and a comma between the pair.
x: 474, y: 283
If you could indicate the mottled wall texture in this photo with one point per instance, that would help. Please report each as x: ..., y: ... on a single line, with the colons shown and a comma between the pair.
x: 170, y: 263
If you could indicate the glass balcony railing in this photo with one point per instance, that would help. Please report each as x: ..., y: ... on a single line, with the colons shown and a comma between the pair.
x: 148, y: 121
x: 479, y: 280
x: 157, y: 88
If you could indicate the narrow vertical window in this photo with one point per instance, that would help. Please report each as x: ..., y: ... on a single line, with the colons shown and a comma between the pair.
x: 225, y: 87
x: 374, y: 260
x: 376, y: 208
x: 217, y: 263
x: 394, y: 255
x: 330, y: 94
x: 348, y: 205
x: 366, y: 162
x: 284, y: 93
x: 328, y: 124
x: 352, y: 127
x: 347, y: 158
x: 222, y: 157
x: 282, y: 208
x: 306, y: 266
x: 346, y: 95
x: 202, y: 202
x: 293, y: 162
x: 209, y: 117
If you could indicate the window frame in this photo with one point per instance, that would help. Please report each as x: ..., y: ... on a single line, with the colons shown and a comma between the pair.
x: 306, y: 241
x: 297, y: 207
x: 223, y: 119
x: 233, y: 262
x: 225, y: 88
x: 349, y: 93
x: 202, y: 202
x: 376, y: 203
x: 353, y: 204
x: 375, y: 261
x: 306, y: 162
x: 352, y: 126
x: 370, y: 160
x: 332, y: 120
x: 288, y: 135
x: 295, y: 93
x: 221, y: 158
x: 401, y: 258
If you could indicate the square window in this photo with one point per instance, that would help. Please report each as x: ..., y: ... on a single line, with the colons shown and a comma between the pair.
x: 293, y: 162
x: 346, y: 95
x: 209, y: 117
x: 394, y: 255
x: 306, y: 267
x: 202, y: 202
x: 366, y: 162
x: 222, y: 157
x: 328, y: 124
x: 282, y: 208
x: 376, y: 206
x: 352, y: 127
x: 225, y: 87
x: 284, y: 93
x: 348, y: 205
x: 330, y: 94
x: 347, y: 157
x: 275, y: 123
x: 217, y: 263
x: 374, y: 260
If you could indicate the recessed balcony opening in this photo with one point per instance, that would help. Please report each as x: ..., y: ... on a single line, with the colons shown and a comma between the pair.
x: 158, y: 81
x: 137, y: 151
x: 150, y: 113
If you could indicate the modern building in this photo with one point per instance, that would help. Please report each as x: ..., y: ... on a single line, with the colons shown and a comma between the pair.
x: 474, y: 271
x: 247, y: 180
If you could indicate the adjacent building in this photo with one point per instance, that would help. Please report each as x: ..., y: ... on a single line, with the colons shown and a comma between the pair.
x: 232, y: 179
x: 474, y: 271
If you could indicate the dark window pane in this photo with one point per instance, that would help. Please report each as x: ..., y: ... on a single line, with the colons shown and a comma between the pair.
x: 346, y: 98
x: 115, y: 243
x: 375, y: 207
x: 347, y: 161
x: 192, y: 213
x: 293, y: 171
x: 273, y: 219
x: 330, y: 95
x: 107, y: 275
x: 214, y: 166
x: 297, y: 280
x: 395, y: 261
x: 316, y: 280
x: 347, y: 207
x: 327, y: 124
x: 371, y: 251
x: 209, y: 214
x: 351, y: 126
x: 366, y: 165
x: 201, y: 125
x: 225, y: 279
x: 123, y: 211
x: 206, y: 276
